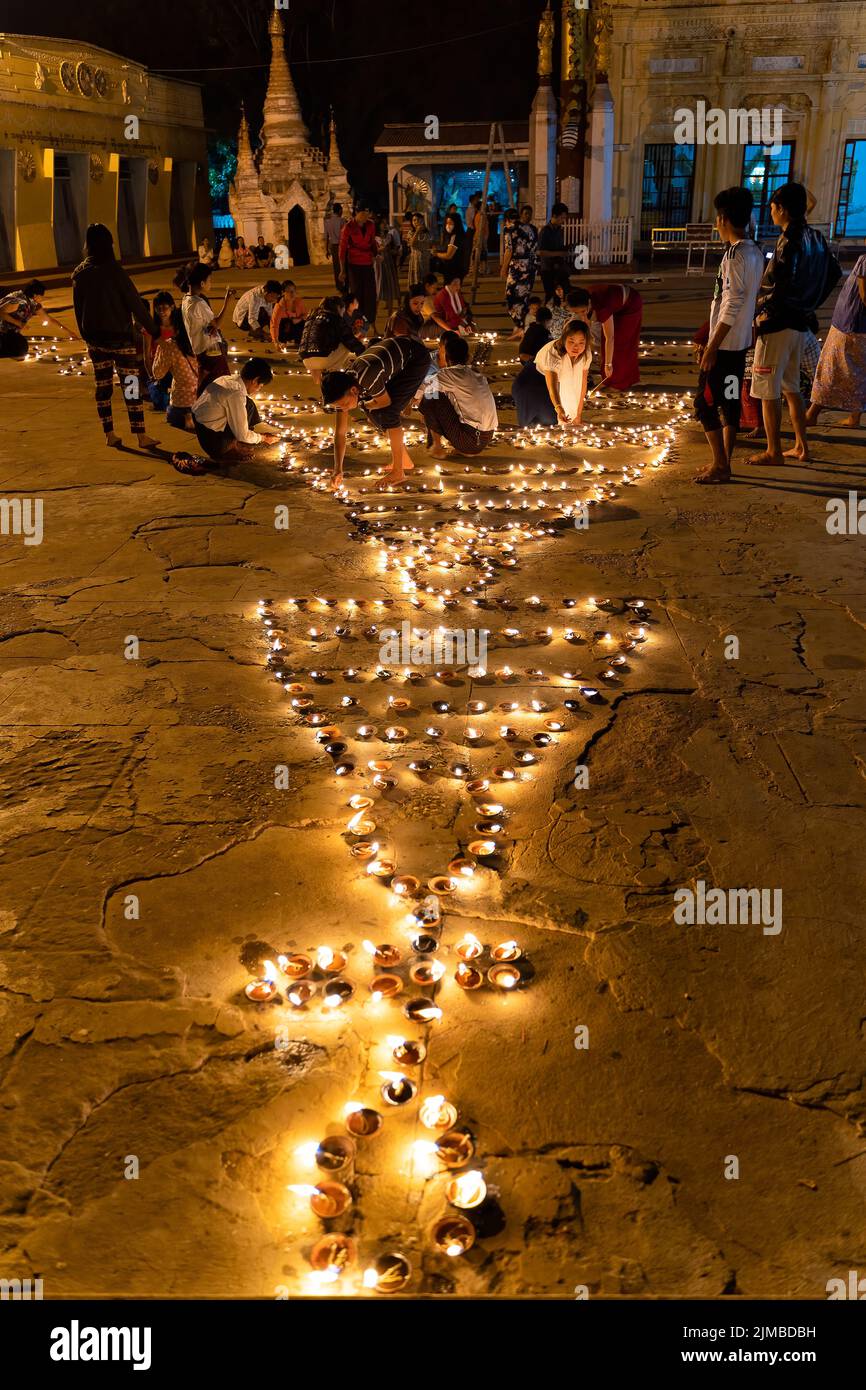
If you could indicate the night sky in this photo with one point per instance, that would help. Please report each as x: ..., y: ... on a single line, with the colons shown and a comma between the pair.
x: 451, y: 74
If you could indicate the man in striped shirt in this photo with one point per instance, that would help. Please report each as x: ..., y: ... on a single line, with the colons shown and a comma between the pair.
x: 381, y: 381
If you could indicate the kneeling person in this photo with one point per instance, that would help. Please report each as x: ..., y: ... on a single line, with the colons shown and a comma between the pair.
x: 458, y: 404
x: 382, y: 381
x: 227, y: 424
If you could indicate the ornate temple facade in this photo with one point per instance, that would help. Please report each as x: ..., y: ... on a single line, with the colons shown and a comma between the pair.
x: 614, y: 74
x: 89, y: 136
x: 285, y: 192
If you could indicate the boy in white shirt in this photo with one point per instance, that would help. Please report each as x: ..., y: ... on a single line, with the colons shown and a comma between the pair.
x: 254, y: 308
x: 723, y: 360
x: 227, y: 424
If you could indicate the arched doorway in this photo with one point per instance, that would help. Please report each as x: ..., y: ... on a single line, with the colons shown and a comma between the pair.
x: 298, y: 248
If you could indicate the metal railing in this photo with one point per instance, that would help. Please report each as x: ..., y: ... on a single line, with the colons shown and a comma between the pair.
x: 607, y: 242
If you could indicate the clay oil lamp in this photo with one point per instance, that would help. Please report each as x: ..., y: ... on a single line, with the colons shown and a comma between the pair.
x: 506, y: 951
x: 405, y: 885
x: 483, y: 849
x: 328, y: 1200
x: 361, y: 1121
x: 301, y: 993
x: 385, y: 986
x: 453, y: 1236
x: 466, y: 1191
x: 264, y: 989
x: 477, y: 786
x: 426, y: 972
x: 462, y: 865
x: 389, y: 1273
x: 421, y: 766
x: 385, y: 956
x: 455, y: 1148
x: 365, y: 731
x: 468, y: 947
x: 335, y: 994
x: 423, y: 944
x: 397, y: 1089
x: 335, y: 1154
x: 295, y: 967
x: 330, y: 962
x: 504, y: 976
x: 365, y: 849
x: 395, y: 733
x: 381, y: 867
x: 421, y: 1010
x: 468, y: 976
x: 442, y: 884
x: 333, y: 1254
x: 437, y: 1113
x: 407, y: 1051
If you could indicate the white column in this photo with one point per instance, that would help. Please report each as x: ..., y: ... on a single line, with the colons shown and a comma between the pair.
x: 598, y: 206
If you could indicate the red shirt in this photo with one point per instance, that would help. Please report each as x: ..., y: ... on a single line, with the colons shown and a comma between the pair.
x: 358, y: 243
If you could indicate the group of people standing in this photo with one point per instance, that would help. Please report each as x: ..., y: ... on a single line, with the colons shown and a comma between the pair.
x: 772, y: 305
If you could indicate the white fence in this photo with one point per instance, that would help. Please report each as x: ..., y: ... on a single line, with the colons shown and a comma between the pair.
x: 607, y: 242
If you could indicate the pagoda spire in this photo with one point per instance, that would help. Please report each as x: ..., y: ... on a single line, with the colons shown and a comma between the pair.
x: 338, y: 178
x: 284, y: 133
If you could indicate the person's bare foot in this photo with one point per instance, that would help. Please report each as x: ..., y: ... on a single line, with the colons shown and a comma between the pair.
x: 802, y: 455
x: 145, y: 442
x: 438, y: 452
x: 113, y: 440
x: 389, y: 480
x: 851, y: 423
x: 335, y: 482
x: 714, y: 475
x: 765, y: 458
x: 756, y: 433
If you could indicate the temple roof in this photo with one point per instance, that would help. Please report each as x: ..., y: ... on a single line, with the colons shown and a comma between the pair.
x: 471, y: 135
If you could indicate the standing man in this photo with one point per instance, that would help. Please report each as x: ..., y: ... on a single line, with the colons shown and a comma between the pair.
x: 382, y: 381
x: 723, y: 360
x: 334, y: 225
x: 358, y: 250
x: 801, y: 273
x: 551, y: 251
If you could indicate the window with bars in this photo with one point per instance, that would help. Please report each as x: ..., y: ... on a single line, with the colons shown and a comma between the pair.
x: 851, y: 212
x: 764, y: 170
x: 668, y: 180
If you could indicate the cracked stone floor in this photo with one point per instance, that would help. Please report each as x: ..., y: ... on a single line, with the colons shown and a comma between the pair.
x: 127, y: 1042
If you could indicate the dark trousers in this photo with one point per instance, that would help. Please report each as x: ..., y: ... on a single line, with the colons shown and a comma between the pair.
x: 440, y: 417
x: 531, y: 397
x: 209, y: 368
x: 334, y: 253
x: 12, y: 343
x: 221, y: 445
x: 291, y: 332
x: 362, y: 283
x: 126, y: 361
x: 721, y: 390
x: 402, y: 387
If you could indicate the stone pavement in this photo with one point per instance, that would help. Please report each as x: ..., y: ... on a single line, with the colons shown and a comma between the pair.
x: 152, y: 857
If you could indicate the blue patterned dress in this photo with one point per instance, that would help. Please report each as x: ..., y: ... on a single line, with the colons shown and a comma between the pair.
x: 523, y: 245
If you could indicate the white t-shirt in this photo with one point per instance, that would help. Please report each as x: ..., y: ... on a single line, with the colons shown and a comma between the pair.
x: 249, y: 305
x: 572, y: 375
x: 471, y: 396
x: 736, y: 290
x: 224, y: 402
x: 197, y: 314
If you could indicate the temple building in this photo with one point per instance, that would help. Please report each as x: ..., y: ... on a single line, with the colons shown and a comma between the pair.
x: 285, y: 192
x: 604, y: 131
x: 89, y: 136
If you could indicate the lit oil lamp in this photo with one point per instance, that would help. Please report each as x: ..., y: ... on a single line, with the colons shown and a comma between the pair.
x: 405, y: 885
x: 477, y: 785
x: 379, y: 765
x: 421, y: 1010
x: 365, y: 849
x: 398, y: 1089
x: 395, y: 733
x: 301, y: 994
x: 423, y: 943
x: 483, y: 849
x: 420, y: 765
x: 469, y: 947
x: 332, y: 1255
x: 360, y: 803
x: 408, y: 1052
x: 442, y: 884
x: 385, y: 955
x: 336, y: 993
x: 453, y: 1236
x: 327, y: 1199
x: 361, y: 1121
x: 265, y: 988
x: 335, y: 1154
x: 462, y: 865
x: 506, y: 951
x: 504, y: 774
x: 477, y: 706
x: 295, y: 967
x: 381, y: 867
x: 388, y: 1274
x: 437, y: 1113
x: 366, y: 731
x: 466, y: 1191
x: 330, y: 962
x: 385, y: 986
x: 504, y: 976
x: 468, y: 976
x: 455, y: 1148
x: 426, y: 972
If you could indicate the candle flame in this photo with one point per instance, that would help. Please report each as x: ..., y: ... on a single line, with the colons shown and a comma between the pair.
x: 302, y: 1189
x: 306, y: 1153
x: 324, y: 957
x: 469, y: 945
x: 393, y: 1077
x: 269, y: 971
x: 369, y: 947
x: 352, y: 1107
x: 454, y: 1249
x: 371, y: 1278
